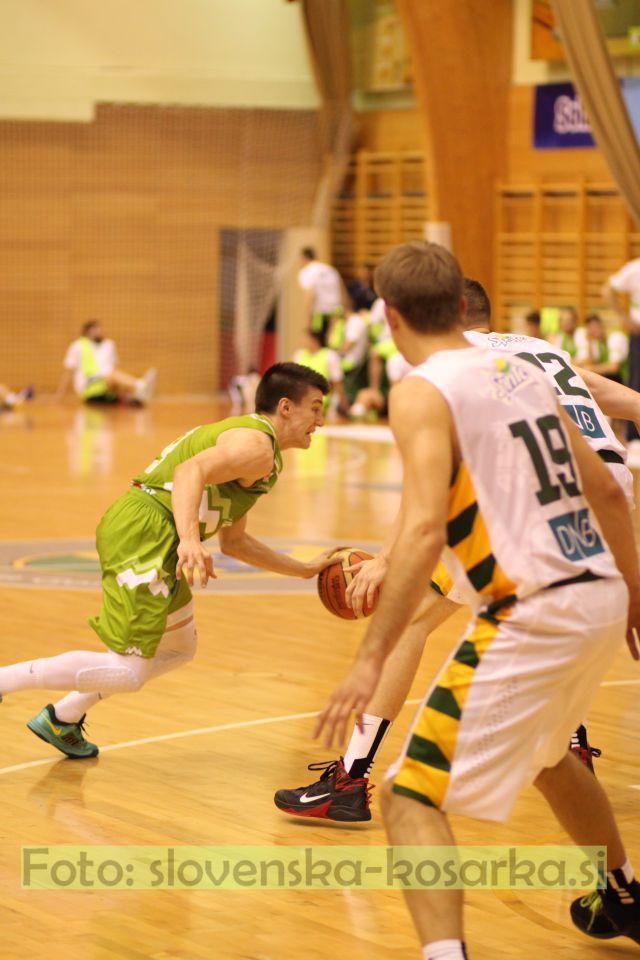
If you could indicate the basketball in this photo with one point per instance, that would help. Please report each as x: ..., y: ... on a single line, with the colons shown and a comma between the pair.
x: 334, y: 580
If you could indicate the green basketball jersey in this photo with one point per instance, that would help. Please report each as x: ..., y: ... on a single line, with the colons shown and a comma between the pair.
x: 222, y: 503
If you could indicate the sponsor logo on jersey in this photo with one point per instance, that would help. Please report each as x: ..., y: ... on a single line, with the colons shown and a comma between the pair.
x: 506, y: 378
x: 498, y: 341
x: 576, y: 537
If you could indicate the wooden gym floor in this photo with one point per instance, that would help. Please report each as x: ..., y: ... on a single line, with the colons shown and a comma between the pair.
x: 194, y: 758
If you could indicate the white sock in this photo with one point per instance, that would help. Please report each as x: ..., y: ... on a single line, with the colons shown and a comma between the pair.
x: 364, y: 745
x: 444, y: 950
x: 74, y: 706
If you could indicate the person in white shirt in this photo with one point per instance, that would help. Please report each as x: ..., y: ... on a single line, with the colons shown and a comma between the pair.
x: 323, y: 290
x: 91, y: 362
x: 626, y: 283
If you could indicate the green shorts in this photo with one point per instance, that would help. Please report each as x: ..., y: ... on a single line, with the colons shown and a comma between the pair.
x: 137, y: 545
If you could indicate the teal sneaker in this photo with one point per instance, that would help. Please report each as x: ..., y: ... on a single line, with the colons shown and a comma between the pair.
x: 67, y: 737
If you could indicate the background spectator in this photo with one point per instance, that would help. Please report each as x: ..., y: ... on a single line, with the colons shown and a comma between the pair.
x: 604, y: 353
x: 323, y: 290
x: 564, y: 339
x: 533, y: 324
x: 622, y: 285
x: 326, y: 362
x: 91, y: 362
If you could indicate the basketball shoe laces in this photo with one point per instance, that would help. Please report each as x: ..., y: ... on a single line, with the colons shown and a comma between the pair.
x: 72, y: 737
x: 594, y: 903
x: 342, y: 780
x: 586, y: 753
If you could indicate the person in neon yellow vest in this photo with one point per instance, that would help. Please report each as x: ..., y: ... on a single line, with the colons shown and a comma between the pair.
x: 602, y: 352
x: 326, y: 362
x: 91, y: 362
x: 564, y: 339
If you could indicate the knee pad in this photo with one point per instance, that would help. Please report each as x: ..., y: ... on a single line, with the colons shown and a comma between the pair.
x: 111, y: 679
x: 180, y: 644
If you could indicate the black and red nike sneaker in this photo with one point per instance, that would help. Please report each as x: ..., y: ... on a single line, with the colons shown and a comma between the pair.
x: 335, y: 796
x: 582, y: 748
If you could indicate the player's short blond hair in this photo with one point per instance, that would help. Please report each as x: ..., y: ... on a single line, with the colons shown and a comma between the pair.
x: 424, y: 283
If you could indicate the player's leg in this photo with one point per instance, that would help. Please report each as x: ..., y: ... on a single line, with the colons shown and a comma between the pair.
x: 177, y: 648
x: 342, y: 792
x: 141, y: 598
x: 92, y: 677
x: 579, y: 743
x: 436, y: 914
x: 138, y: 388
x: 613, y: 910
x: 504, y: 703
x: 415, y: 792
x: 61, y: 724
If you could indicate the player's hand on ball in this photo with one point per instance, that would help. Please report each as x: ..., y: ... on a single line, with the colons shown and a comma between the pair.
x: 368, y: 576
x: 193, y: 556
x: 353, y: 694
x: 324, y: 559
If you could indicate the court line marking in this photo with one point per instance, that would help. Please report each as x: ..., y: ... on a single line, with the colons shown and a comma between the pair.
x: 619, y: 683
x: 236, y: 725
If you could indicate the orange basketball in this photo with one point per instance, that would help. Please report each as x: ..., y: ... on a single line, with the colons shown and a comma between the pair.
x: 334, y: 580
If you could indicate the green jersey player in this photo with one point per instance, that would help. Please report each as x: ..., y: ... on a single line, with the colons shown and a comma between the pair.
x: 151, y: 547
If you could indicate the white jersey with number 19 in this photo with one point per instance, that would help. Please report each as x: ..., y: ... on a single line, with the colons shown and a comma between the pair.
x: 517, y: 520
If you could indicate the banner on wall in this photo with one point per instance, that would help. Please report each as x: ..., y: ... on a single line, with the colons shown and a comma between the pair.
x: 560, y: 120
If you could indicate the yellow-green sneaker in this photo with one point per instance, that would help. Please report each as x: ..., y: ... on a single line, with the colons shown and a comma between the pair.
x: 67, y: 737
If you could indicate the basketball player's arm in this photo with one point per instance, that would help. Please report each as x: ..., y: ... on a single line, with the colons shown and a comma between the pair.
x: 370, y: 573
x: 423, y: 429
x: 609, y: 504
x: 236, y: 542
x: 614, y: 399
x: 245, y: 454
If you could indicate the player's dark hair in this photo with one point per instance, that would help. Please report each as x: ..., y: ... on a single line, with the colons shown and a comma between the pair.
x: 290, y: 380
x: 423, y: 282
x: 89, y: 325
x: 309, y: 253
x: 478, y: 304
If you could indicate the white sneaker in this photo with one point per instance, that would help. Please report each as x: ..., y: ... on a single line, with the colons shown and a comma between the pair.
x: 148, y: 385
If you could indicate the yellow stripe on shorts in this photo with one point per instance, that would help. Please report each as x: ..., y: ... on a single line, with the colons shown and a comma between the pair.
x: 425, y: 770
